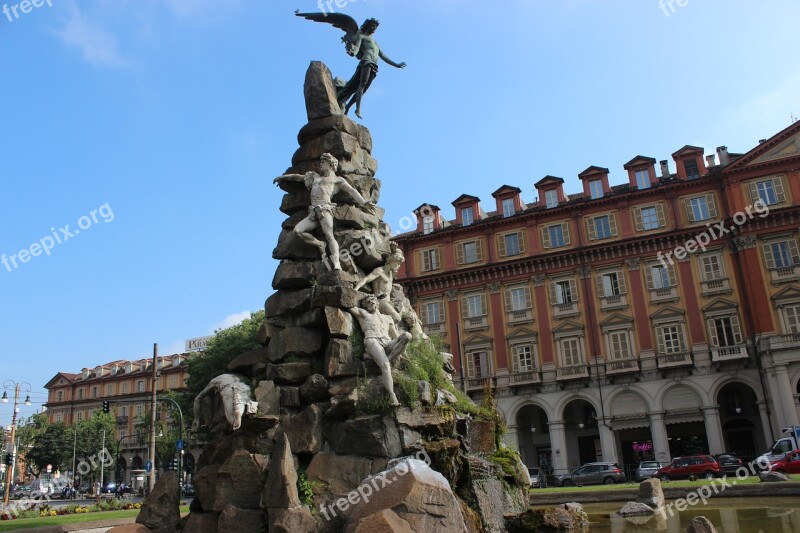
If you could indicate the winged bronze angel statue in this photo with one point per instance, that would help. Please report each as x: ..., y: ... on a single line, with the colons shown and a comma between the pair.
x: 359, y: 43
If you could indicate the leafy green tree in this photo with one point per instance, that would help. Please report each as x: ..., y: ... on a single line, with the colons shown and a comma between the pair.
x: 52, y: 446
x: 90, y: 445
x: 226, y: 345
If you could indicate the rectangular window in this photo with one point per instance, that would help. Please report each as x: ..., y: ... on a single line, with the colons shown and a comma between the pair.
x: 611, y: 284
x: 123, y: 411
x: 725, y: 331
x: 139, y: 410
x: 432, y: 312
x: 571, y: 351
x: 126, y: 386
x: 508, y: 207
x: 173, y: 382
x: 601, y: 227
x: 699, y: 207
x: 466, y: 216
x: 522, y: 358
x: 564, y: 292
x: 792, y: 315
x: 59, y: 418
x: 649, y: 218
x: 711, y: 267
x: 670, y: 339
x: 110, y: 389
x: 660, y: 277
x: 430, y: 260
x: 692, y: 171
x: 620, y: 345
x: 80, y: 394
x: 518, y: 299
x: 510, y: 244
x: 95, y: 392
x: 477, y: 364
x: 782, y: 254
x: 123, y: 434
x: 140, y: 386
x: 427, y: 224
x: 469, y: 252
x: 551, y: 198
x: 643, y: 179
x: 769, y: 191
x: 596, y: 189
x: 555, y: 236
x: 80, y: 415
x: 475, y: 306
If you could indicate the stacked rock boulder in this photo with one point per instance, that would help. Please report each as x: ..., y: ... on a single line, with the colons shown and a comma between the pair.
x: 323, y: 416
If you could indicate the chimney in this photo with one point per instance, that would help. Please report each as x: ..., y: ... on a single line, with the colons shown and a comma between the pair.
x: 762, y: 141
x: 664, y: 168
x: 722, y: 152
x: 710, y: 160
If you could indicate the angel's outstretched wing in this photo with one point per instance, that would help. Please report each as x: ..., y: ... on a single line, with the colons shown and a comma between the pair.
x: 338, y: 20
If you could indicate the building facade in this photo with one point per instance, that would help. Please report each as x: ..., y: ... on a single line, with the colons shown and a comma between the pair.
x: 646, y: 320
x: 127, y: 386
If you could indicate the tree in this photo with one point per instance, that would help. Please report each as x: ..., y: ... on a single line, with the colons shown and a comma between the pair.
x: 90, y: 448
x: 53, y: 446
x: 27, y: 434
x: 226, y: 345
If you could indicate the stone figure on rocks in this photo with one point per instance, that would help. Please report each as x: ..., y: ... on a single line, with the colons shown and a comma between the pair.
x: 382, y: 341
x: 236, y: 398
x: 359, y: 42
x: 381, y: 280
x: 323, y: 187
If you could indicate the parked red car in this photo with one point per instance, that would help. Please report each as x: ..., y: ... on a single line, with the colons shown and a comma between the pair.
x: 790, y: 464
x: 690, y: 467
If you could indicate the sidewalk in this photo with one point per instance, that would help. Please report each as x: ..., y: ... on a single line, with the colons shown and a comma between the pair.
x: 97, y: 526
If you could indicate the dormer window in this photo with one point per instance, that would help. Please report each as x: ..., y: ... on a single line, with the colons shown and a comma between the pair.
x: 643, y: 179
x: 596, y: 189
x: 691, y: 169
x: 466, y: 216
x: 427, y: 225
x: 551, y: 198
x: 508, y: 207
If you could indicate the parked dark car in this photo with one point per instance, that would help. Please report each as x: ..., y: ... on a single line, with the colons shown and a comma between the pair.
x: 647, y: 469
x: 592, y: 474
x: 538, y: 478
x: 691, y: 467
x: 188, y: 490
x: 729, y: 462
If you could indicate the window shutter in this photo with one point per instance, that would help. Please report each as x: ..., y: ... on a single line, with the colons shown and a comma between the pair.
x: 470, y: 366
x: 637, y: 219
x: 713, y: 338
x: 623, y: 288
x: 590, y: 228
x: 521, y: 238
x: 753, y: 192
x: 479, y: 249
x: 673, y: 278
x: 737, y: 331
x: 661, y: 345
x: 768, y: 258
x: 423, y: 313
x: 687, y: 204
x: 648, y: 274
x: 426, y: 260
x: 501, y: 245
x: 553, y: 299
x: 441, y: 312
x: 545, y: 231
x: 573, y: 289
x: 612, y: 223
x: 436, y: 260
x: 777, y: 183
x: 712, y: 205
x: 662, y: 220
x: 793, y: 253
x: 464, y: 307
x: 484, y: 310
x: 565, y: 229
x: 599, y: 285
x: 514, y: 360
x: 528, y: 299
x: 460, y: 253
x: 507, y: 296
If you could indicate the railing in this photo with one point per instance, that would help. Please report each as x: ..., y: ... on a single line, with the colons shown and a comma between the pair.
x: 433, y: 328
x: 729, y: 353
x: 122, y: 420
x: 531, y: 376
x: 572, y: 372
x: 715, y: 286
x: 670, y: 360
x: 622, y: 366
x: 477, y: 383
x: 613, y: 302
x: 665, y: 294
x: 523, y: 315
x: 476, y: 323
x: 779, y: 275
x: 783, y: 342
x: 566, y: 309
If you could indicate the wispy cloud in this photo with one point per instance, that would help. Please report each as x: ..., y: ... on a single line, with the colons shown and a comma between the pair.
x: 193, y: 8
x: 231, y: 320
x: 97, y: 45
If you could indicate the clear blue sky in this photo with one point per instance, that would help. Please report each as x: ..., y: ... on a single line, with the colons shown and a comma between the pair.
x: 177, y: 114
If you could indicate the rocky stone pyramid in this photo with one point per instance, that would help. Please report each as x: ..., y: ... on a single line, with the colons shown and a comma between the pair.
x: 325, y: 433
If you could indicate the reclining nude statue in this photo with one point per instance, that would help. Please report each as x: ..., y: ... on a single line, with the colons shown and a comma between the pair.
x: 382, y: 342
x: 236, y: 399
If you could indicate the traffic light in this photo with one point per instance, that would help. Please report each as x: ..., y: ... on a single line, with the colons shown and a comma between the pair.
x: 173, y: 464
x: 10, y: 459
x: 106, y: 406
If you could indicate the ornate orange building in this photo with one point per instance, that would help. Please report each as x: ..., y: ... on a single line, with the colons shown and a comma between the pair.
x: 649, y: 319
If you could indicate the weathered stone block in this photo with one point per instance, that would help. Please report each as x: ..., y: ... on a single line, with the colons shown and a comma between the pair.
x: 268, y: 398
x: 636, y: 509
x: 334, y: 297
x: 375, y: 436
x: 245, y: 362
x: 651, y: 493
x: 315, y: 389
x: 337, y: 474
x: 342, y: 146
x: 296, y: 202
x: 481, y: 436
x: 235, y: 520
x: 296, y: 520
x: 364, y: 138
x: 304, y: 430
x: 280, y: 490
x: 202, y: 523
x: 321, y: 126
x: 290, y: 246
x: 290, y: 396
x: 373, y: 246
x: 161, y: 507
x: 339, y: 360
x: 430, y: 423
x: 340, y: 322
x: 292, y: 373
x: 385, y: 521
x: 238, y: 483
x: 283, y: 302
x: 349, y: 216
x: 294, y: 275
x: 320, y: 92
x: 294, y: 342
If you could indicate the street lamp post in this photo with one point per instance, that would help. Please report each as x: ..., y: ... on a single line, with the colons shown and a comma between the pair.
x: 9, y: 384
x: 180, y: 439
